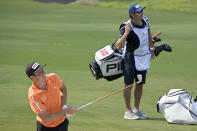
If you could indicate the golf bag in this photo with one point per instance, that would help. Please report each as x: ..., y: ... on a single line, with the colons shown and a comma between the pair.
x: 107, y: 63
x: 178, y: 107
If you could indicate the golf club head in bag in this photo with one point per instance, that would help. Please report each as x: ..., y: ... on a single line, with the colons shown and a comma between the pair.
x: 156, y: 39
x: 162, y: 47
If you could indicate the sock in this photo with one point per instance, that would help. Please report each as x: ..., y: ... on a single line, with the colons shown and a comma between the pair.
x: 128, y: 110
x: 135, y: 111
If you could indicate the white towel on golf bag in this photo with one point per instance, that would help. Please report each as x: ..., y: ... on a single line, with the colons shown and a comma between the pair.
x: 178, y: 107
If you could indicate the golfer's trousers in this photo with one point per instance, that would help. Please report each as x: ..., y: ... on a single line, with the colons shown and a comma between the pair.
x: 61, y: 127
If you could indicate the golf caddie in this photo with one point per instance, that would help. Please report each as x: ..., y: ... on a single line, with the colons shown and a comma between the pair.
x: 47, y: 97
x: 136, y: 39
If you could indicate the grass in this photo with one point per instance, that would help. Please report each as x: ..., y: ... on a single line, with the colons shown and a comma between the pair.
x: 164, y: 5
x: 66, y: 37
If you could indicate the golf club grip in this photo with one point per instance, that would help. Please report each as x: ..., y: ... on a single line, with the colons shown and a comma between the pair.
x: 83, y: 106
x: 155, y: 35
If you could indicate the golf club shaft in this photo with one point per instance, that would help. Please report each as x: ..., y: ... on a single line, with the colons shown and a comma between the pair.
x: 101, y: 98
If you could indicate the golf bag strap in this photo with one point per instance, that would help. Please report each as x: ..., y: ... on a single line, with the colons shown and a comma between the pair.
x: 114, y: 47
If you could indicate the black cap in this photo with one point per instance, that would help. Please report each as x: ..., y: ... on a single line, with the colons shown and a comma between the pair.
x: 32, y: 68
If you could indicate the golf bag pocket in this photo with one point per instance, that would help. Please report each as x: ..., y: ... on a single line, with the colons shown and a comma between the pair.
x: 178, y: 107
x: 104, y: 53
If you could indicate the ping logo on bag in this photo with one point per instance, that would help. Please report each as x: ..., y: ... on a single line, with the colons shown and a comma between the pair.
x: 116, y: 66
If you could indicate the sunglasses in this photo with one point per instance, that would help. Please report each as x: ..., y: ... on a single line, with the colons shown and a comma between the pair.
x: 139, y: 11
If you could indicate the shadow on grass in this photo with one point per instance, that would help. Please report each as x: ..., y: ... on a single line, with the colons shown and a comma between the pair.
x: 57, y: 1
x: 157, y: 119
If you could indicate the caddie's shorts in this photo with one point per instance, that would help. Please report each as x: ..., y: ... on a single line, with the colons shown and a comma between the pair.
x: 129, y: 70
x: 61, y: 127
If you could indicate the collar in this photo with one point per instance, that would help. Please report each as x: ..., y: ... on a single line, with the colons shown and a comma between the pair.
x: 138, y: 26
x: 38, y: 90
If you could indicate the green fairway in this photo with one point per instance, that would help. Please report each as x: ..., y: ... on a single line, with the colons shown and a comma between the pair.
x: 66, y: 37
x: 170, y: 5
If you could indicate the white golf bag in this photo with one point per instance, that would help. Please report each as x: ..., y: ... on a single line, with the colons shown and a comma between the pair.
x: 107, y: 63
x: 178, y: 107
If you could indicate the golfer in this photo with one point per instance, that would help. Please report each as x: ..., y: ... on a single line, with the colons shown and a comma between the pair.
x: 47, y: 98
x: 136, y: 40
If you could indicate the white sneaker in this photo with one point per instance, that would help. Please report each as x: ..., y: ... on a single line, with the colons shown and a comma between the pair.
x: 131, y: 115
x: 141, y: 115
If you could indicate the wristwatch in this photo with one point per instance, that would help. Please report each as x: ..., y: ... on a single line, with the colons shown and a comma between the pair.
x: 152, y: 48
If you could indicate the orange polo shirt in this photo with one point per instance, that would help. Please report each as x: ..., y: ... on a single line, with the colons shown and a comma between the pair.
x: 50, y: 99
